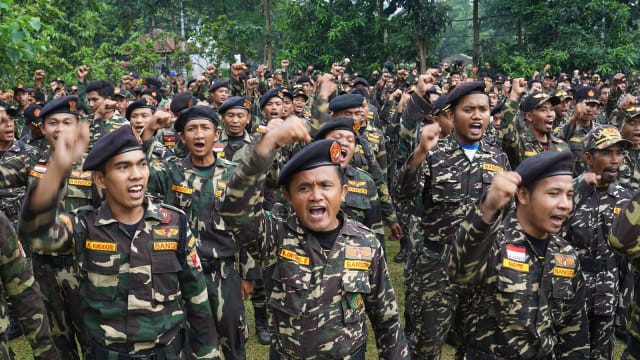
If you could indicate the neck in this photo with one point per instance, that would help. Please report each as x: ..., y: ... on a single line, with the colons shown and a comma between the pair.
x: 5, y: 145
x: 126, y: 215
x: 464, y: 141
x: 203, y: 161
x: 524, y: 218
x: 540, y: 136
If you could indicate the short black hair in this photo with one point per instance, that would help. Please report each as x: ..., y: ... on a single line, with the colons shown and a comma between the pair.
x: 104, y: 88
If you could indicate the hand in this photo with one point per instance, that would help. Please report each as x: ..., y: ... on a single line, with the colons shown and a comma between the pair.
x: 71, y: 145
x: 106, y: 110
x: 396, y: 94
x: 576, y: 73
x: 425, y: 82
x: 518, y: 87
x: 546, y: 68
x: 503, y: 187
x: 246, y: 288
x: 334, y: 69
x: 396, y: 231
x: 252, y: 83
x: 238, y: 69
x: 309, y: 69
x: 82, y: 73
x: 284, y: 63
x: 39, y: 75
x: 262, y: 69
x: 211, y: 70
x: 282, y: 133
x: 328, y: 86
x: 591, y: 178
x: 429, y: 135
x: 628, y: 101
x: 159, y: 120
x: 579, y: 110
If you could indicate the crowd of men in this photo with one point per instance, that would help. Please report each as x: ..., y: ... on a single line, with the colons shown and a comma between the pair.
x: 138, y: 217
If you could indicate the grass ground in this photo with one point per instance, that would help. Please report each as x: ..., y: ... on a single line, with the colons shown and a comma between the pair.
x: 256, y: 351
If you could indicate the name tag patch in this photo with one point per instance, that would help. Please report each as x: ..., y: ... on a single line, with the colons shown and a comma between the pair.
x: 491, y: 167
x: 515, y: 265
x: 357, y: 264
x: 181, y: 189
x: 165, y: 245
x: 100, y: 246
x: 79, y: 182
x: 357, y: 190
x: 290, y: 255
x: 559, y: 271
x: 530, y: 153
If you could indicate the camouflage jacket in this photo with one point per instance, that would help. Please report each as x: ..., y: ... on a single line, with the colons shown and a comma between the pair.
x: 18, y: 286
x: 448, y: 185
x: 230, y: 150
x: 318, y: 300
x: 573, y: 134
x: 362, y: 203
x: 137, y: 291
x: 521, y: 145
x: 41, y: 144
x: 236, y: 87
x: 629, y: 175
x: 526, y: 307
x: 99, y: 127
x: 376, y: 141
x: 588, y: 228
x: 14, y: 167
x: 171, y: 139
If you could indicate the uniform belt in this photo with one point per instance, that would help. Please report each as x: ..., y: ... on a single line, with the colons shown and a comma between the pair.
x: 433, y: 246
x: 101, y: 352
x: 210, y: 266
x: 592, y: 265
x: 57, y: 261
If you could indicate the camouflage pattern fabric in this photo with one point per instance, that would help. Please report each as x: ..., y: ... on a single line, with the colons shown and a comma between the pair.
x: 629, y: 171
x: 573, y: 134
x: 137, y: 292
x: 318, y: 302
x: 587, y: 230
x: 526, y: 305
x: 99, y: 127
x: 14, y: 167
x: 362, y: 203
x: 171, y: 139
x: 232, y: 149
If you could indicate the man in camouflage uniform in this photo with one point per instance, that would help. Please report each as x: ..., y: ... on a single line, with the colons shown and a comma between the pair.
x: 218, y: 93
x: 327, y: 272
x: 196, y: 185
x: 562, y: 108
x: 529, y: 292
x: 140, y: 277
x: 33, y: 121
x: 629, y: 176
x: 444, y: 184
x: 105, y: 118
x: 538, y: 118
x: 598, y: 199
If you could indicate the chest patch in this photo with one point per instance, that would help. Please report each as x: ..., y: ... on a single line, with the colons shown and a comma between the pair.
x: 290, y: 255
x: 100, y: 246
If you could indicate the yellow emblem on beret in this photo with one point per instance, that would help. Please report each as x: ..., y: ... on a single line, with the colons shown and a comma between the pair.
x: 247, y: 103
x: 72, y: 106
x: 149, y: 102
x: 116, y: 91
x: 36, y: 112
x: 334, y: 151
x: 591, y: 93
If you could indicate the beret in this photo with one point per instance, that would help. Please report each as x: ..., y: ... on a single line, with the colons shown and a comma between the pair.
x: 303, y: 79
x: 498, y: 108
x: 588, y: 94
x: 545, y: 164
x: 464, y: 89
x: 318, y: 153
x: 121, y: 140
x: 494, y: 89
x: 339, y: 123
x: 218, y: 84
x: 270, y: 94
x: 536, y: 99
x: 182, y: 101
x: 235, y: 102
x: 154, y: 93
x: 603, y: 136
x: 440, y: 105
x: 499, y: 78
x: 142, y: 103
x: 65, y: 104
x: 11, y: 111
x: 346, y: 101
x: 32, y: 114
x: 360, y: 91
x: 19, y: 88
x: 195, y: 112
x: 152, y: 82
x: 360, y: 81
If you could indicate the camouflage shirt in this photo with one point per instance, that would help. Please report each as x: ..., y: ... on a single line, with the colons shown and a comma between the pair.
x: 573, y: 134
x: 171, y: 139
x: 232, y: 148
x: 14, y: 167
x: 138, y: 290
x: 629, y: 171
x: 318, y: 300
x: 99, y: 127
x: 521, y: 145
x: 526, y: 306
x: 362, y: 203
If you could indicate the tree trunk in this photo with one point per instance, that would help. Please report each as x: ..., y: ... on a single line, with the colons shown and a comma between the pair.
x: 422, y: 53
x: 267, y: 16
x: 476, y: 35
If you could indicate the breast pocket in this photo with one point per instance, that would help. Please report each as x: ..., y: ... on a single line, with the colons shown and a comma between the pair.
x: 358, y: 201
x: 356, y: 286
x: 164, y: 269
x: 446, y: 191
x: 513, y: 297
x: 102, y: 271
x: 291, y: 282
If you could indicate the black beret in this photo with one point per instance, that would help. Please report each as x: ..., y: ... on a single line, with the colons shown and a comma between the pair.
x: 498, y: 79
x: 588, y: 94
x: 152, y: 82
x: 182, y: 101
x: 154, y: 93
x: 32, y: 114
x: 361, y: 81
x: 235, y: 102
x: 535, y: 99
x: 270, y: 94
x: 218, y: 84
x: 142, y: 103
x: 360, y: 91
x: 545, y: 164
x: 303, y: 79
x: 440, y: 105
x: 346, y: 101
x: 11, y: 111
x: 19, y: 88
x: 318, y: 153
x: 299, y: 91
x: 121, y: 140
x: 464, y: 89
x: 339, y: 123
x: 495, y: 89
x: 498, y: 108
x: 195, y: 112
x: 65, y: 104
x: 134, y: 75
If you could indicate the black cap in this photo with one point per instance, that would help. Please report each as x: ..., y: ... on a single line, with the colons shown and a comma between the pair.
x: 32, y: 114
x: 182, y: 101
x: 121, y: 92
x: 121, y: 140
x: 152, y: 82
x: 464, y: 89
x: 561, y: 95
x: 154, y: 93
x: 235, y: 102
x: 587, y: 94
x: 142, y: 103
x: 11, y: 111
x: 299, y: 91
x: 270, y: 94
x: 339, y: 123
x: 195, y: 112
x: 440, y: 105
x: 318, y: 153
x: 65, y: 104
x: 19, y: 88
x: 134, y: 75
x: 545, y: 164
x: 218, y: 84
x: 303, y: 79
x: 346, y: 101
x: 360, y: 81
x: 287, y: 93
x: 536, y: 99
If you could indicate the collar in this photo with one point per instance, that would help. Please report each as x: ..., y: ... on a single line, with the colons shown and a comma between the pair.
x: 105, y: 216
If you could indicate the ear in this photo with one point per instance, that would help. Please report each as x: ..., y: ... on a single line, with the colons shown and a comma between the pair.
x: 182, y: 138
x: 523, y: 195
x: 286, y: 196
x: 527, y: 117
x: 98, y: 179
x: 343, y: 195
x: 588, y: 158
x: 216, y: 135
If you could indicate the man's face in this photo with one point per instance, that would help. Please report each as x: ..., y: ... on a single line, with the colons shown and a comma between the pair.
x: 199, y: 135
x: 316, y: 196
x: 23, y: 99
x: 55, y: 124
x: 7, y: 128
x: 299, y: 104
x: 471, y: 118
x: 631, y: 131
x: 562, y: 108
x: 308, y: 88
x: 541, y: 118
x: 590, y: 110
x: 220, y: 95
x: 53, y: 85
x: 605, y: 163
x: 95, y: 100
x: 535, y: 86
x: 546, y: 83
x: 139, y: 118
x: 547, y: 206
x: 493, y: 100
x: 357, y: 114
x: 347, y: 141
x: 121, y: 104
x: 287, y: 106
x: 273, y: 109
x: 604, y: 94
x: 497, y: 120
x: 124, y: 180
x: 235, y: 121
x: 445, y: 122
x: 125, y: 80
